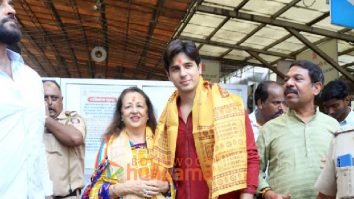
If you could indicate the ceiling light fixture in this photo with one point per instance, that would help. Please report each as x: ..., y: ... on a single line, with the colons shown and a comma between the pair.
x: 98, y: 54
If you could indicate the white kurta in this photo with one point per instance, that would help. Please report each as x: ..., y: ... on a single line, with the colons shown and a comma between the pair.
x: 24, y: 172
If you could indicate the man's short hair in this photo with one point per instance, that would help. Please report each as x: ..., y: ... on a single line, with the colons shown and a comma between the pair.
x: 262, y: 90
x: 178, y: 46
x: 315, y: 72
x: 334, y: 90
x: 52, y: 81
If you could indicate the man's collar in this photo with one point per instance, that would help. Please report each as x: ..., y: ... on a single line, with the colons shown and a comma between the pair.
x: 349, y: 117
x: 292, y: 112
x: 14, y: 56
x: 61, y: 116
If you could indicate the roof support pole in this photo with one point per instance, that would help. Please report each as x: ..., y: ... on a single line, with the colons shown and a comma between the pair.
x: 322, y: 54
x: 61, y: 26
x: 274, y: 22
x: 152, y: 26
x: 33, y: 58
x: 102, y: 9
x: 35, y: 21
x: 189, y: 14
x: 346, y: 51
x: 226, y: 45
x: 348, y: 65
x: 77, y: 15
x: 226, y: 19
x: 266, y: 64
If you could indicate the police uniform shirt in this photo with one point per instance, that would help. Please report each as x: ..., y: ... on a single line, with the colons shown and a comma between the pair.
x: 335, y: 180
x: 58, y: 157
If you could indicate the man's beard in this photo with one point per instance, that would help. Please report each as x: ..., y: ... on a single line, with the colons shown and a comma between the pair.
x: 10, y: 35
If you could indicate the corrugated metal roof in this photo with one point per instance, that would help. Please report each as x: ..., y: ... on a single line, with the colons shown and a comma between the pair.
x: 232, y: 29
x: 58, y: 36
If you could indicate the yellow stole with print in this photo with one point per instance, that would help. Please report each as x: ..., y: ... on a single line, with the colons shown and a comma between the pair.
x: 124, y: 165
x: 219, y: 134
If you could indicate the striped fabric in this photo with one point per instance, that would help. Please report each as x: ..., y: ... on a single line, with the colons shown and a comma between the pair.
x: 294, y: 150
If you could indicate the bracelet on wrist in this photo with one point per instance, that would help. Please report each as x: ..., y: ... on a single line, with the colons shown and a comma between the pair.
x: 265, y: 190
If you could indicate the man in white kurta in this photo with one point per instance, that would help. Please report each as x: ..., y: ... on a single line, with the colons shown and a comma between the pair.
x: 24, y: 172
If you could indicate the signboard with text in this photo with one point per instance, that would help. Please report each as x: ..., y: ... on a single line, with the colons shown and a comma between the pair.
x: 211, y: 70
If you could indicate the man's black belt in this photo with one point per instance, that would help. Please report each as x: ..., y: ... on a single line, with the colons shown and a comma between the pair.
x: 73, y: 193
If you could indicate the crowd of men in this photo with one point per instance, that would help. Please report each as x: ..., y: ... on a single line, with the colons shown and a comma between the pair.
x: 286, y: 148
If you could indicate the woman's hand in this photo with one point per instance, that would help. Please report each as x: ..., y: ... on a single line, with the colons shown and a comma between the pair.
x: 142, y: 188
x: 162, y: 186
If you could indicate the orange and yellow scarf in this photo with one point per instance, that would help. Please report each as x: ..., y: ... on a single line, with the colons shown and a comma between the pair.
x: 219, y: 134
x: 125, y: 163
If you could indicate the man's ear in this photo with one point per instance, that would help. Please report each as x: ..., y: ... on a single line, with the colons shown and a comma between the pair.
x: 317, y: 87
x: 200, y: 69
x: 167, y: 74
x: 347, y: 101
x: 259, y: 104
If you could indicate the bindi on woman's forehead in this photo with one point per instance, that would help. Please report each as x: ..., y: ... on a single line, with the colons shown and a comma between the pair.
x: 134, y: 98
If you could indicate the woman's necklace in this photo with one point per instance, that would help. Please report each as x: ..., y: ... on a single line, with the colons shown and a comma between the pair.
x: 137, y: 141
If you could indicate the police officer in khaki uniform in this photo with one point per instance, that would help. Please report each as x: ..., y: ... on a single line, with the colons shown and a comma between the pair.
x: 337, y: 178
x: 64, y: 139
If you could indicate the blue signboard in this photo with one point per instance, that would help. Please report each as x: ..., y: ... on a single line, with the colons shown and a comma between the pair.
x: 342, y: 13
